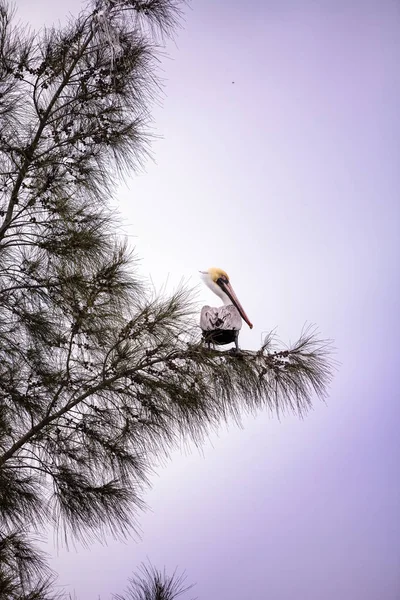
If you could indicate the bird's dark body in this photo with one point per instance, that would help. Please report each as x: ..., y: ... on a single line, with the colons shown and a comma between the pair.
x: 220, y: 337
x: 220, y: 325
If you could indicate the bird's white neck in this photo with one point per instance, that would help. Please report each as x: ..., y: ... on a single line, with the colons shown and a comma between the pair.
x: 225, y: 298
x: 217, y: 290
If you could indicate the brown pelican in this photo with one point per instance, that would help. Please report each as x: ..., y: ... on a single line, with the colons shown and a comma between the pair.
x: 222, y: 325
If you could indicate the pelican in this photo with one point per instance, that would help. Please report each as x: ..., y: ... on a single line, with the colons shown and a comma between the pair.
x: 222, y: 325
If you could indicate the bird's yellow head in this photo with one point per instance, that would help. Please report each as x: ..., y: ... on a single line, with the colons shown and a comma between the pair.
x: 215, y: 273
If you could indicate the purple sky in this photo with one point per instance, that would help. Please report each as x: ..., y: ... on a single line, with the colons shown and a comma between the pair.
x: 288, y: 179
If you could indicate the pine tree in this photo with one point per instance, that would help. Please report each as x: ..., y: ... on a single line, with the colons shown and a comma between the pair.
x: 97, y: 375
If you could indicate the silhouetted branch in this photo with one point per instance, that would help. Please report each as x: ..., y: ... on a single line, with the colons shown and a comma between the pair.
x: 24, y: 574
x: 152, y: 584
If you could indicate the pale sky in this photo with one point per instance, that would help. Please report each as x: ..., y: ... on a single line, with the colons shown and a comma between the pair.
x: 288, y: 179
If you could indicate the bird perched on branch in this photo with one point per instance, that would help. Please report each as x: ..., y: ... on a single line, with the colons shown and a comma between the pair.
x: 221, y: 325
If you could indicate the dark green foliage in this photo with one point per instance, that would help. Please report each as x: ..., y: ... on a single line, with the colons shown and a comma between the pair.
x: 97, y: 378
x: 23, y: 571
x: 151, y: 584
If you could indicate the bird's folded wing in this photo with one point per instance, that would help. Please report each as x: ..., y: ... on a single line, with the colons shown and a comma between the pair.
x: 222, y: 317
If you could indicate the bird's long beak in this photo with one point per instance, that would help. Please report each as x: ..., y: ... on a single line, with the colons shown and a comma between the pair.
x: 228, y: 289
